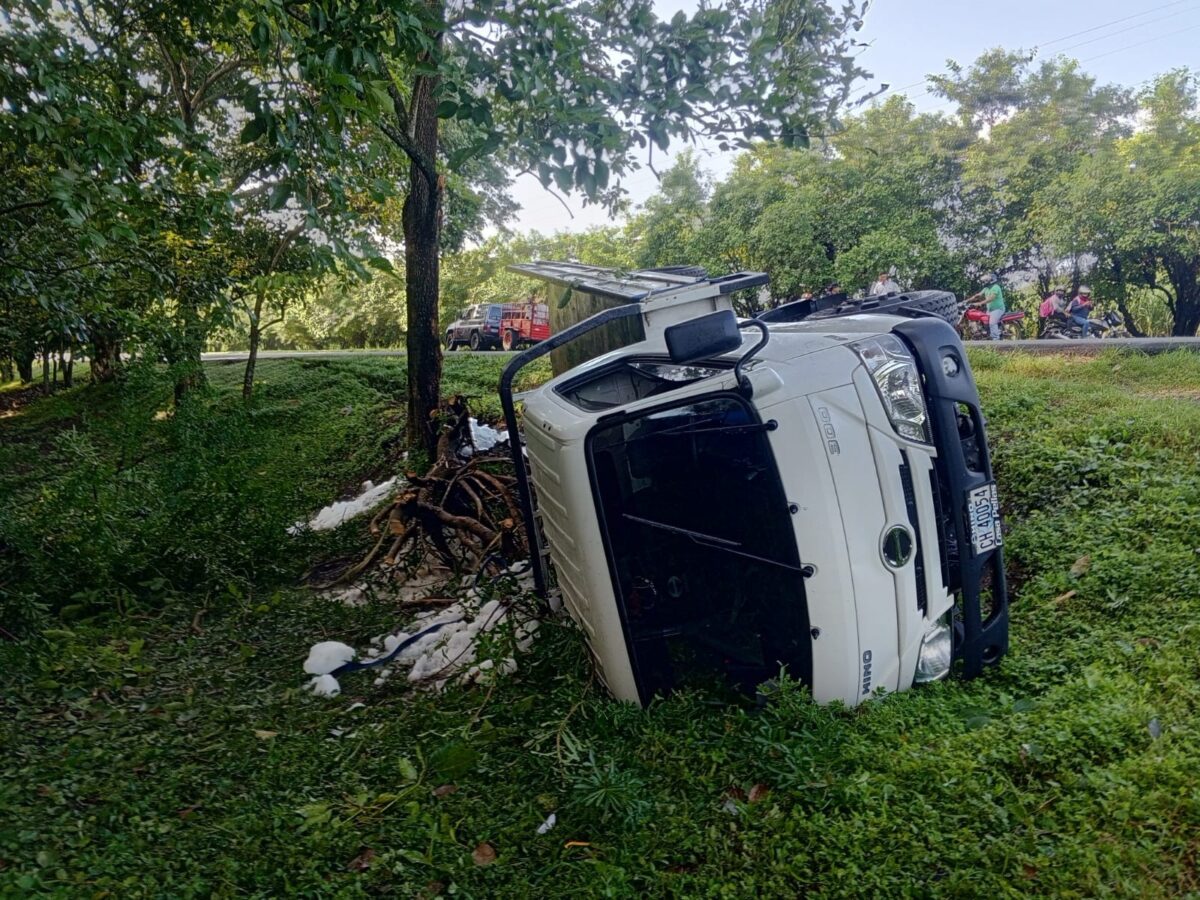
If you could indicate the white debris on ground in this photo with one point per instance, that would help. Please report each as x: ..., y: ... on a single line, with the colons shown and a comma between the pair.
x: 485, y: 437
x: 392, y: 585
x: 348, y: 596
x: 370, y: 496
x: 326, y: 656
x: 325, y: 686
x: 449, y: 653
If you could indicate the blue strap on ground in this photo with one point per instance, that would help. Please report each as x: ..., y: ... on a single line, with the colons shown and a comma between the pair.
x: 407, y: 642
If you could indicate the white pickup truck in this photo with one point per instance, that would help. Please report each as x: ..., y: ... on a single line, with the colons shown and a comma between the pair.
x: 728, y: 498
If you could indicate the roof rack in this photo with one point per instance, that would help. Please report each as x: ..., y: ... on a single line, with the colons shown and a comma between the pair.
x: 639, y: 284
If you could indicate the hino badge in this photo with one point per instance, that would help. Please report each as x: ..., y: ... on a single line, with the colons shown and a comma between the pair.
x: 726, y: 498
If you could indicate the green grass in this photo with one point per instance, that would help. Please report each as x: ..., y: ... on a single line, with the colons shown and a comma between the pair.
x: 145, y: 759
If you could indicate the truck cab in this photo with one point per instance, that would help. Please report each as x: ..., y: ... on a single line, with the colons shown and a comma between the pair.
x: 477, y: 327
x: 729, y: 499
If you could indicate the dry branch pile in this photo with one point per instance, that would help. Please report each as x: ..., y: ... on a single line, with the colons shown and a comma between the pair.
x: 463, y: 511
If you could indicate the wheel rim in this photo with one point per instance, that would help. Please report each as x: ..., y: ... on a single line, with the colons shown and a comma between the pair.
x: 509, y: 342
x: 475, y: 341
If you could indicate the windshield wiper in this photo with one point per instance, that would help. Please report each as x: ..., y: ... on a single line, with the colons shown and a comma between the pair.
x: 713, y: 542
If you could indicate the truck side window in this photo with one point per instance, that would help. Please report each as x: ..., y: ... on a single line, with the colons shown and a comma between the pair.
x: 703, y: 552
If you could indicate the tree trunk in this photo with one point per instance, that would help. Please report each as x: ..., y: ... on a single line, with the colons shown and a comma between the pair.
x: 1123, y: 300
x: 1184, y: 273
x: 6, y: 368
x: 1187, y: 312
x: 105, y: 360
x: 422, y: 228
x: 190, y: 370
x: 251, y: 361
x: 25, y: 365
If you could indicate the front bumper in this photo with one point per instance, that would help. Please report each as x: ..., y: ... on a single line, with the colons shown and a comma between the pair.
x: 963, y: 463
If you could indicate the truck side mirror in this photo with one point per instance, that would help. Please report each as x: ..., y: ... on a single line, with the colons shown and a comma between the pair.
x: 703, y: 337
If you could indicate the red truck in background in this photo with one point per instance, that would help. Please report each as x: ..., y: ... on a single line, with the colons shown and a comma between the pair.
x: 487, y: 326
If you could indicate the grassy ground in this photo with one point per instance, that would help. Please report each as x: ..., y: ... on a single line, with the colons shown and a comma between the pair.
x: 146, y: 757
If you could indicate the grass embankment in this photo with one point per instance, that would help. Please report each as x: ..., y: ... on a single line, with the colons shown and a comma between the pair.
x: 144, y: 758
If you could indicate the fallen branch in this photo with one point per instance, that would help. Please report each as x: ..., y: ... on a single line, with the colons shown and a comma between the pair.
x: 461, y: 511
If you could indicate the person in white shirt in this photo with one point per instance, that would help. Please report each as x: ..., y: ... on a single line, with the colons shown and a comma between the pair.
x: 884, y: 284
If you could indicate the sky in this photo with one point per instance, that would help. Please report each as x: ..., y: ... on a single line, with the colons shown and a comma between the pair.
x: 1123, y: 42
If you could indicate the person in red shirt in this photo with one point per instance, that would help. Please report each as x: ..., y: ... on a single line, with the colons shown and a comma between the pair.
x: 1080, y: 309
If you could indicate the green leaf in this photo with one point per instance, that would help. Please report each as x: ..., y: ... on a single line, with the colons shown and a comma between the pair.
x: 279, y: 195
x: 253, y: 130
x: 453, y: 760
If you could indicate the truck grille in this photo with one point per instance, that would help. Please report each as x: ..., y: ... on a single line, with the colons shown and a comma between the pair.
x: 910, y: 504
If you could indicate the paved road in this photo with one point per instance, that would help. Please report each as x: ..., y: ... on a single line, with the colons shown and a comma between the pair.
x: 240, y: 355
x: 1093, y: 346
x: 1088, y: 347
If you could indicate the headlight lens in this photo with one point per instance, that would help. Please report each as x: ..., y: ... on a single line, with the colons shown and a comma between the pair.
x: 899, y: 383
x: 933, y: 662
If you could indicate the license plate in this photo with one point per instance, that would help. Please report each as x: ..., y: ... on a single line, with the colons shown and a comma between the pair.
x: 983, y: 510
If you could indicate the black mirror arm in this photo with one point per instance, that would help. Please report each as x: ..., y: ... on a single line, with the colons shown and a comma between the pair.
x: 743, y: 381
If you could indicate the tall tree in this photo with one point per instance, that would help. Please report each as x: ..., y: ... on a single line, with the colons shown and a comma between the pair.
x: 1031, y: 125
x: 1136, y: 204
x: 572, y: 92
x: 669, y: 220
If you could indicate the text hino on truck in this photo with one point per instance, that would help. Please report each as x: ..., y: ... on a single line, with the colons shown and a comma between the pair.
x: 728, y: 498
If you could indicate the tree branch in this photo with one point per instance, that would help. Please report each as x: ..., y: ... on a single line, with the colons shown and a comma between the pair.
x: 284, y: 243
x: 402, y: 140
x: 175, y: 73
x: 225, y: 68
x: 29, y: 204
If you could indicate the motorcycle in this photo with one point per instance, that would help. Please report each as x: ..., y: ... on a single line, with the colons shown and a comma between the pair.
x: 1110, y: 325
x: 974, y: 326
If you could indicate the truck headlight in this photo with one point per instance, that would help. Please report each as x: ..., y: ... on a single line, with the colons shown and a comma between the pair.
x: 933, y: 662
x: 896, y: 377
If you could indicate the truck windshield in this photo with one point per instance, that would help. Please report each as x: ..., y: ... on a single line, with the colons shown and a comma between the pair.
x: 703, y: 554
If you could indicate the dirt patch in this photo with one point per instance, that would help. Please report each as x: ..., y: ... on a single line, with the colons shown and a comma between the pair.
x: 1191, y: 395
x: 12, y: 402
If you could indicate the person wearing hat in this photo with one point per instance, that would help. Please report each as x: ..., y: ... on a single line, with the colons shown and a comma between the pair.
x: 884, y: 284
x: 1054, y: 306
x: 1080, y: 309
x: 992, y: 296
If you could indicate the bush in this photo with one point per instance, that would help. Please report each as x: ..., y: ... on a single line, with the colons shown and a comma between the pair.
x: 131, y: 504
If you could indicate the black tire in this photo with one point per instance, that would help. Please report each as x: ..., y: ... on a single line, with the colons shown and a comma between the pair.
x: 451, y: 344
x: 476, y: 342
x: 510, y: 341
x: 942, y: 304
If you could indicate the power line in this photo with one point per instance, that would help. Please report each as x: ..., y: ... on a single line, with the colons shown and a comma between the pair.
x: 1142, y: 43
x: 1066, y: 37
x: 1112, y: 34
x: 1138, y: 15
x: 1150, y: 40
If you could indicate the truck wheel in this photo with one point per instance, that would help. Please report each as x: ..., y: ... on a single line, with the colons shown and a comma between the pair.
x: 451, y: 344
x: 938, y: 303
x: 510, y: 340
x: 476, y: 342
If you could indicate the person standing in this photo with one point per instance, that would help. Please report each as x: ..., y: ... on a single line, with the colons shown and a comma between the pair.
x: 992, y: 297
x: 1080, y: 309
x: 884, y: 284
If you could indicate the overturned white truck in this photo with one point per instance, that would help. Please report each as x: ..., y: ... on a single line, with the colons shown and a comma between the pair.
x: 728, y: 498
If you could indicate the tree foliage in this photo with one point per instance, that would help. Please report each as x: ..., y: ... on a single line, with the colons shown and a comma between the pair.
x: 573, y: 93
